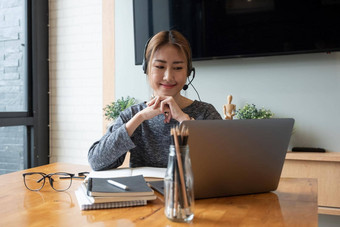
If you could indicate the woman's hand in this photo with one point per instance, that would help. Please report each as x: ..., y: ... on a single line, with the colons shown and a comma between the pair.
x: 146, y: 114
x: 150, y: 112
x: 168, y: 106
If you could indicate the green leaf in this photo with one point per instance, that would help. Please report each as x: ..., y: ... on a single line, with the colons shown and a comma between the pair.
x: 251, y: 112
x: 113, y: 110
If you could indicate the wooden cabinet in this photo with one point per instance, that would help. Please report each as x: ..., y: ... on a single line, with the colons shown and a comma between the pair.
x: 325, y: 167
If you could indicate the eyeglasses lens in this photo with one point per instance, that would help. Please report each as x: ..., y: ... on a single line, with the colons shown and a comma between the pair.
x: 60, y: 181
x: 34, y: 181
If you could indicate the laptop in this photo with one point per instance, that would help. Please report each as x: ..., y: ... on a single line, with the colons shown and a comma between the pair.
x: 237, y: 157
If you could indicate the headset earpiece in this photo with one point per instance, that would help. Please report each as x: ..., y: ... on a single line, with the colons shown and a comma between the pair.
x: 145, y: 62
x: 144, y: 66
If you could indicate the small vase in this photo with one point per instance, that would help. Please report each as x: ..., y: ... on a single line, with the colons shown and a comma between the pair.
x: 179, y: 186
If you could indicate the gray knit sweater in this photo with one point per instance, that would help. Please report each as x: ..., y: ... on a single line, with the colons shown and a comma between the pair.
x: 148, y: 145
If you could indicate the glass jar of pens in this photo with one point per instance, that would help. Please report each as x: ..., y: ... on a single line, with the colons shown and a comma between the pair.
x: 179, y: 181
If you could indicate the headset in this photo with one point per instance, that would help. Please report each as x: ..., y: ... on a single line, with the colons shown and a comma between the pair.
x: 186, y: 86
x: 145, y: 63
x: 190, y: 68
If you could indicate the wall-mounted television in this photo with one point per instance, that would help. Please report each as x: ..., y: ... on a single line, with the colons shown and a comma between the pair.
x: 241, y: 28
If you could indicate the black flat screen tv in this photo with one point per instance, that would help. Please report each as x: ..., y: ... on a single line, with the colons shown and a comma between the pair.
x: 219, y: 29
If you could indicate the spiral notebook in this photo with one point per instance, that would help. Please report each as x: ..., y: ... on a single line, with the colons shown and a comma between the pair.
x: 85, y: 204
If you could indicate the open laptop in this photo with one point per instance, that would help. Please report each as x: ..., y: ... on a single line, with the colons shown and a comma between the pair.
x: 236, y: 157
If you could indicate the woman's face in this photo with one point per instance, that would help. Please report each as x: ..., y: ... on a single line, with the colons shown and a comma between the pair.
x: 168, y: 72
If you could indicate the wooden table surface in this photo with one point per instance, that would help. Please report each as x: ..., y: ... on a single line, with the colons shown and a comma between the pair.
x: 293, y: 204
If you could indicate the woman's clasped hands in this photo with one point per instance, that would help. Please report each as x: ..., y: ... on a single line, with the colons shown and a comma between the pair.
x: 166, y: 105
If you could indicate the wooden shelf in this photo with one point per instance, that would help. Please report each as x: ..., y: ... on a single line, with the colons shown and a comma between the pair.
x: 328, y: 210
x: 325, y: 167
x: 314, y: 156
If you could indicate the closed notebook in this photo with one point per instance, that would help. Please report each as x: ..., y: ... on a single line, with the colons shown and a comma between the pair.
x: 136, y: 187
x: 106, y: 199
x: 85, y: 204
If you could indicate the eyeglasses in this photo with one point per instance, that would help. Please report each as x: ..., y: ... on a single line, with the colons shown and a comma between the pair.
x: 60, y: 181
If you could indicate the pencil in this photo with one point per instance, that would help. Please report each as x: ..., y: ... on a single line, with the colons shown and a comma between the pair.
x: 175, y: 190
x: 178, y: 136
x: 172, y: 142
x: 185, y: 135
x: 117, y: 184
x: 180, y: 169
x: 174, y: 195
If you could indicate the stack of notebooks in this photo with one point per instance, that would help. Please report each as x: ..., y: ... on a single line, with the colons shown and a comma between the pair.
x: 103, y: 193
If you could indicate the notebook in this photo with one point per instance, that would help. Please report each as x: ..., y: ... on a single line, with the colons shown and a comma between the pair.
x: 106, y: 199
x: 136, y: 187
x: 236, y: 157
x: 85, y: 204
x: 157, y: 185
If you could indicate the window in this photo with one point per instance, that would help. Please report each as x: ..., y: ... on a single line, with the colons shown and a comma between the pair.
x: 24, y: 134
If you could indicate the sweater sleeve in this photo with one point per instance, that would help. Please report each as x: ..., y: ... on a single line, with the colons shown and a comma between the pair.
x: 110, y: 151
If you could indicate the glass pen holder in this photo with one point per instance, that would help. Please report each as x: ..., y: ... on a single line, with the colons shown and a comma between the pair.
x: 179, y: 186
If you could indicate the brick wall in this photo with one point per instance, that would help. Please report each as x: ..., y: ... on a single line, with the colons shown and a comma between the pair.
x: 12, y: 82
x: 12, y: 79
x: 75, y: 53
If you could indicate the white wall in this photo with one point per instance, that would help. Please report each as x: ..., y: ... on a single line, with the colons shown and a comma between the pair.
x: 305, y: 87
x: 75, y: 78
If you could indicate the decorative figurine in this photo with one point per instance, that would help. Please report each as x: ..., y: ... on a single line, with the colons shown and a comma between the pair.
x: 229, y: 109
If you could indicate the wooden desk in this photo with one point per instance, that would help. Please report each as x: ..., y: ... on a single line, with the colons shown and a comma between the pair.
x: 293, y: 204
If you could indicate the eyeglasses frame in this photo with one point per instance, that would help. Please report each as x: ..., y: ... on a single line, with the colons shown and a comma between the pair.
x: 81, y: 175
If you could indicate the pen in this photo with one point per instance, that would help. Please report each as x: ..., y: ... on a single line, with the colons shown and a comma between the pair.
x: 117, y: 184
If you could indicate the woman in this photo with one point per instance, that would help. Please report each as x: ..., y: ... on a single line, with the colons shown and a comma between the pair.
x: 144, y: 129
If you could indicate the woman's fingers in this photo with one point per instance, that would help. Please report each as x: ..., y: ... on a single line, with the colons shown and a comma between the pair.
x: 151, y: 102
x: 166, y: 105
x: 167, y: 117
x: 157, y: 102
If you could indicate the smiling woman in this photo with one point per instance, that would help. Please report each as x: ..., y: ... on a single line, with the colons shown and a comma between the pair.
x: 144, y: 128
x: 170, y: 57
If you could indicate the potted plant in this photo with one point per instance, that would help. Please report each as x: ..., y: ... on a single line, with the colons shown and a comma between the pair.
x: 113, y: 110
x: 251, y: 112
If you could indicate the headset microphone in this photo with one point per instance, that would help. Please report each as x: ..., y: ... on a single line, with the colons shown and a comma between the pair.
x: 186, y: 86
